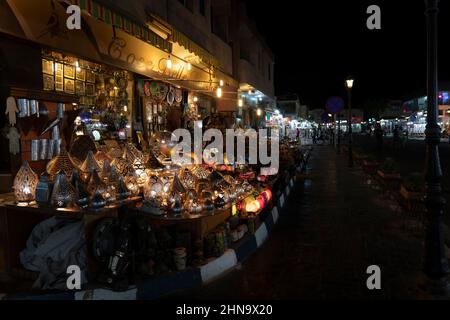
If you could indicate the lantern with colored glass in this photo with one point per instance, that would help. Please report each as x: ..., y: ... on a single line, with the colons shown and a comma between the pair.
x: 131, y: 181
x: 25, y: 184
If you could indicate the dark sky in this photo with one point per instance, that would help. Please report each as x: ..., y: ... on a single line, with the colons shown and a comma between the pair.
x: 318, y: 43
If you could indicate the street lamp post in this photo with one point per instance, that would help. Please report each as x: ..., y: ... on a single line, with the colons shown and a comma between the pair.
x: 435, y: 260
x: 349, y: 86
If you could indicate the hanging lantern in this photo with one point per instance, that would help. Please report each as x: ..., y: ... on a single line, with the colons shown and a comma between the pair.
x: 63, y: 194
x: 25, y: 183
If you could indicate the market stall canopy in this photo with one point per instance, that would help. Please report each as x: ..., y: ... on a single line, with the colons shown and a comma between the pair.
x: 44, y: 22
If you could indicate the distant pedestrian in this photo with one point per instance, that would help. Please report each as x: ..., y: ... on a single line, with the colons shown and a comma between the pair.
x: 395, y: 137
x: 379, y: 137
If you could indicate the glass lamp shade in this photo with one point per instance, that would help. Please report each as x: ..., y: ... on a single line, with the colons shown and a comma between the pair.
x: 113, y: 176
x: 161, y: 144
x: 188, y: 179
x: 132, y: 154
x: 90, y: 164
x: 206, y: 200
x: 131, y: 182
x: 63, y: 194
x: 80, y: 189
x: 106, y: 169
x: 121, y: 165
x: 25, y: 183
x: 176, y: 205
x: 140, y: 172
x: 220, y: 197
x: 96, y: 183
x: 152, y: 188
x: 62, y: 162
x: 101, y: 157
x: 200, y: 172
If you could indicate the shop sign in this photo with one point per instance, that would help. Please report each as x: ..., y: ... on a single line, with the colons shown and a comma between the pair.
x: 119, y: 48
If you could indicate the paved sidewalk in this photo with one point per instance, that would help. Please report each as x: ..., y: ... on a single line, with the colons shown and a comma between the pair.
x: 331, y: 231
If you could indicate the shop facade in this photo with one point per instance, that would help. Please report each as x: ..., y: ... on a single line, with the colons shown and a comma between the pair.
x: 89, y: 118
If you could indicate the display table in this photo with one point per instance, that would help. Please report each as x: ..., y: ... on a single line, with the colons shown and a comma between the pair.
x: 199, y: 225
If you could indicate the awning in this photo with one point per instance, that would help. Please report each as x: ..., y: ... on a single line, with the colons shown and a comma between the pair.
x: 44, y: 22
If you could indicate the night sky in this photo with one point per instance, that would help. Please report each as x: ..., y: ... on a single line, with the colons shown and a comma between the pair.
x: 318, y: 43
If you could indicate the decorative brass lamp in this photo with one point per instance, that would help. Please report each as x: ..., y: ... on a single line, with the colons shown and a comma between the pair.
x: 25, y: 184
x: 90, y: 164
x: 64, y: 194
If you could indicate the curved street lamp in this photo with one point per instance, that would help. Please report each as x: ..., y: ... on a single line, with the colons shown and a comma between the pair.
x: 349, y: 85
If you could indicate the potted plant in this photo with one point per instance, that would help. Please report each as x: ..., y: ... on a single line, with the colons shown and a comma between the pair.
x: 370, y: 164
x: 412, y: 186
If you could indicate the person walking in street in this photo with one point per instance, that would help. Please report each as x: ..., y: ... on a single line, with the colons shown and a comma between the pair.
x: 395, y: 137
x: 379, y: 137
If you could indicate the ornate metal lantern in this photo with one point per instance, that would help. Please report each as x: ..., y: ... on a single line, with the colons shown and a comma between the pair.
x: 25, y: 183
x: 63, y: 194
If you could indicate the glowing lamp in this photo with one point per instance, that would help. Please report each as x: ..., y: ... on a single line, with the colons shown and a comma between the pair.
x: 349, y: 83
x: 219, y: 92
x: 252, y: 206
x: 189, y: 66
x: 25, y: 183
x: 240, y: 102
x: 169, y: 63
x: 258, y: 112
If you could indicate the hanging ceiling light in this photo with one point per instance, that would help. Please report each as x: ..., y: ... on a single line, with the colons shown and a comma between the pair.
x: 221, y: 83
x: 258, y: 112
x: 195, y: 99
x: 169, y: 63
x: 219, y: 92
x: 77, y: 65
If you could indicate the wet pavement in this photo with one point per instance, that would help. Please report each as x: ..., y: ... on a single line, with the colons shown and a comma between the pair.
x: 333, y: 227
